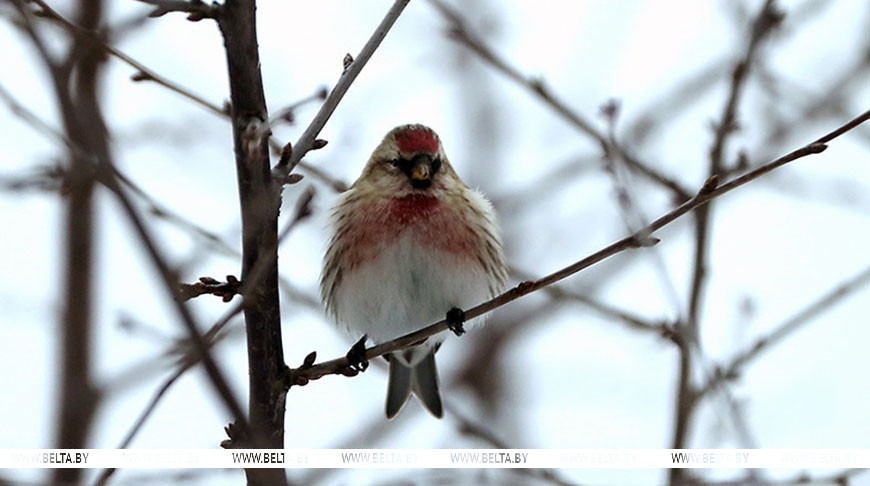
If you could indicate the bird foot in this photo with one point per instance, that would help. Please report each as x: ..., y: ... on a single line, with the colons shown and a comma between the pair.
x: 356, y: 357
x: 455, y: 318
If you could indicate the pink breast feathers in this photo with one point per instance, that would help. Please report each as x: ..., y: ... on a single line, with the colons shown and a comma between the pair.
x: 413, y: 208
x: 431, y: 223
x: 417, y: 216
x: 416, y: 140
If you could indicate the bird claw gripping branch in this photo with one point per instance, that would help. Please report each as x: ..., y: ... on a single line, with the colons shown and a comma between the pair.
x: 356, y: 356
x: 455, y: 318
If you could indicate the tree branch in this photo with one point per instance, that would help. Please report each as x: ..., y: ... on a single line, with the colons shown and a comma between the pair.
x: 733, y: 369
x: 632, y: 321
x: 460, y: 32
x: 143, y: 73
x: 352, y: 68
x: 84, y: 129
x: 764, y: 22
x: 207, y: 285
x: 259, y: 204
x: 196, y: 9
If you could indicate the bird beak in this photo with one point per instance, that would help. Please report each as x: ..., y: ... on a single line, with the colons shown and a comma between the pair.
x: 421, y: 171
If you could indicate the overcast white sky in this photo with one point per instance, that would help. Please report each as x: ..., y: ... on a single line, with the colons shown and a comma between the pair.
x: 576, y: 380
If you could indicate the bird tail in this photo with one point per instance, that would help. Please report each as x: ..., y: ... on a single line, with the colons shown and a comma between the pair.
x: 421, y: 379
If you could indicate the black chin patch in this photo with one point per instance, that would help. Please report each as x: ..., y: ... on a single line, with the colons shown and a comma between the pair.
x: 421, y: 183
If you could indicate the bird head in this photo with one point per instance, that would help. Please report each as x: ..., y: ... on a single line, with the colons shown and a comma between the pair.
x: 410, y: 159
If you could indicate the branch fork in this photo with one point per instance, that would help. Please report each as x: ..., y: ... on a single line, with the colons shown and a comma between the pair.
x: 207, y: 285
x: 196, y: 10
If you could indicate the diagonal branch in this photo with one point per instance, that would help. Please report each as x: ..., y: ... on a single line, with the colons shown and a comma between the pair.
x: 733, y: 369
x: 708, y: 192
x: 351, y: 70
x: 629, y: 319
x: 144, y: 73
x: 198, y: 341
x: 460, y: 32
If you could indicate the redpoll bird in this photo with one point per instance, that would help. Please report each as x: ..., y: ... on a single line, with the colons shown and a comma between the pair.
x: 410, y: 243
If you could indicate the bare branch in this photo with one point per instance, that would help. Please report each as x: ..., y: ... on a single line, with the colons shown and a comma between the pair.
x: 307, y: 141
x: 198, y: 341
x: 196, y: 9
x: 460, y: 32
x: 303, y: 210
x: 764, y: 22
x: 143, y: 416
x: 144, y: 73
x: 733, y: 369
x: 161, y: 211
x: 606, y: 310
x: 679, y: 98
x: 286, y: 114
x: 78, y: 397
x: 214, y: 334
x: 207, y: 285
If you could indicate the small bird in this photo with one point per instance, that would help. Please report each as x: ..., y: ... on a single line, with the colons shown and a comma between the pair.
x: 410, y: 243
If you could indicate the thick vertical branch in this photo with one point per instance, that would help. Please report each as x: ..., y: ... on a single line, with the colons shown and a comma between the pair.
x: 84, y: 126
x: 259, y: 208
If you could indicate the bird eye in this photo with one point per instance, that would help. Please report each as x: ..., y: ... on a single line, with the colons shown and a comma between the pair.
x: 394, y: 162
x: 436, y: 164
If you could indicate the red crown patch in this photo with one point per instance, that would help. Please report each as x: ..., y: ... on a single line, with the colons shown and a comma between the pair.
x: 416, y: 140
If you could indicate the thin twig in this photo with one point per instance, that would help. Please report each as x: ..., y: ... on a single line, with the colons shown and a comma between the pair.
x: 207, y: 285
x: 307, y: 141
x: 143, y: 73
x: 606, y: 310
x: 680, y: 97
x: 287, y: 113
x: 211, y: 337
x: 115, y: 180
x: 734, y: 367
x: 708, y: 192
x: 107, y: 175
x: 633, y: 216
x: 143, y: 416
x: 198, y: 341
x: 460, y: 32
x: 767, y: 18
